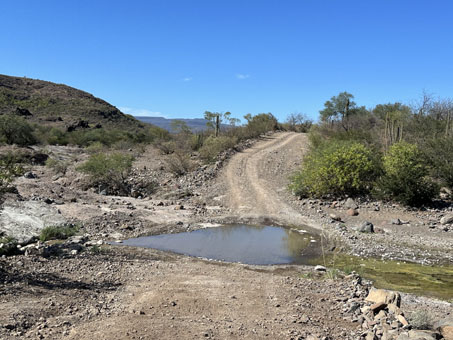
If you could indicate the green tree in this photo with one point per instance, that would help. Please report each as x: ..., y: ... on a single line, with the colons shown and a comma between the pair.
x: 340, y: 109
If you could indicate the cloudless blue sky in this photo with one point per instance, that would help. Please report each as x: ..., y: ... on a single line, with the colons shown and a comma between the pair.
x: 180, y: 58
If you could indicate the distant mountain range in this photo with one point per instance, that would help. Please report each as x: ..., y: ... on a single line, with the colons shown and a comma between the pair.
x: 195, y: 124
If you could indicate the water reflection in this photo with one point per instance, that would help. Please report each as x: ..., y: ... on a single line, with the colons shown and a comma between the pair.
x: 261, y: 245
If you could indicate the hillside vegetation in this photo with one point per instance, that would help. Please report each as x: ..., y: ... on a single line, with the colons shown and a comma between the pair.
x: 59, y: 105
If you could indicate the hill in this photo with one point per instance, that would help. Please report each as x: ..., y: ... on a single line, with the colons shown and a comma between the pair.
x: 60, y: 105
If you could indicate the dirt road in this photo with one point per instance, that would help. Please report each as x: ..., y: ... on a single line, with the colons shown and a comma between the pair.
x: 257, y: 177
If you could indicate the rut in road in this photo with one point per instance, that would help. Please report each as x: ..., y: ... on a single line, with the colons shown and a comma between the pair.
x: 257, y: 178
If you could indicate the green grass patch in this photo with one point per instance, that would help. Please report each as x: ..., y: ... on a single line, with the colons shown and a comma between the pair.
x: 435, y: 281
x: 57, y: 232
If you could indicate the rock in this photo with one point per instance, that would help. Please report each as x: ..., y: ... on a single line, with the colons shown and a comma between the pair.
x: 350, y: 204
x: 381, y: 315
x: 335, y: 217
x: 445, y: 327
x: 320, y: 268
x: 394, y: 309
x: 377, y: 307
x: 423, y: 335
x: 366, y: 227
x: 384, y: 296
x: 24, y: 220
x: 29, y: 175
x: 447, y: 219
x: 370, y: 336
x: 403, y: 320
x: 396, y: 221
x: 352, y: 212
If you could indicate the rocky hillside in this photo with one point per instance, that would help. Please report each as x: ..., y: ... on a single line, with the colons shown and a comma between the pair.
x: 59, y: 105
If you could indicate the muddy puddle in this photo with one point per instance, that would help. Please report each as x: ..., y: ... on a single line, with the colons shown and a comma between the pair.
x: 255, y: 245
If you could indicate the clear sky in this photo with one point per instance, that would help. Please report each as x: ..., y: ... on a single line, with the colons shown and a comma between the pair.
x: 180, y: 58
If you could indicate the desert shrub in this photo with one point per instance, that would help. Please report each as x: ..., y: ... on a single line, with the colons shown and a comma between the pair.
x: 108, y: 172
x: 96, y: 147
x: 179, y: 163
x: 9, y: 168
x: 421, y: 319
x: 57, y: 165
x: 8, y: 245
x: 338, y: 169
x: 50, y: 135
x: 439, y: 152
x: 260, y: 123
x: 15, y: 130
x: 159, y: 134
x: 212, y: 146
x: 196, y: 141
x: 166, y: 147
x: 57, y: 232
x: 405, y: 176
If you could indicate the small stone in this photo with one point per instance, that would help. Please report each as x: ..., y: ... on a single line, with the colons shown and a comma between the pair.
x: 396, y: 221
x: 352, y: 212
x: 366, y: 227
x: 447, y: 219
x: 350, y: 204
x: 402, y: 319
x: 335, y: 217
x: 320, y: 268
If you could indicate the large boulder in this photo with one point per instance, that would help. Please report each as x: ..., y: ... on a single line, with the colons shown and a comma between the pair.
x: 384, y: 296
x: 445, y: 327
x: 24, y: 220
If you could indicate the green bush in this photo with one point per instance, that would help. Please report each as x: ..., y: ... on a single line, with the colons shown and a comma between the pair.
x: 57, y: 232
x: 9, y: 168
x: 8, y: 245
x: 260, y: 123
x: 212, y: 146
x: 405, y: 176
x: 439, y: 151
x: 338, y: 169
x: 108, y: 172
x: 179, y: 163
x: 15, y: 130
x: 57, y: 165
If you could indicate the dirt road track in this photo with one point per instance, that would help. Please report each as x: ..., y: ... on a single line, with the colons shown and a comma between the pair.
x: 257, y: 178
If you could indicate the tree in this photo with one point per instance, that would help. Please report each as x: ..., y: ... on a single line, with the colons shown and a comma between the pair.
x: 179, y: 126
x: 215, y: 120
x: 298, y: 122
x: 340, y: 108
x: 395, y: 117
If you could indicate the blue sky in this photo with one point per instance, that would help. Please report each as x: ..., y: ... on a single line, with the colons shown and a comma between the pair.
x: 180, y: 58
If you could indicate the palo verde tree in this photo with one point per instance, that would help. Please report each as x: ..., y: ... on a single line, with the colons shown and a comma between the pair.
x: 340, y: 109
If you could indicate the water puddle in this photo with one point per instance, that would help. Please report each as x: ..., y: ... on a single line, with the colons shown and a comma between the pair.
x: 265, y: 245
